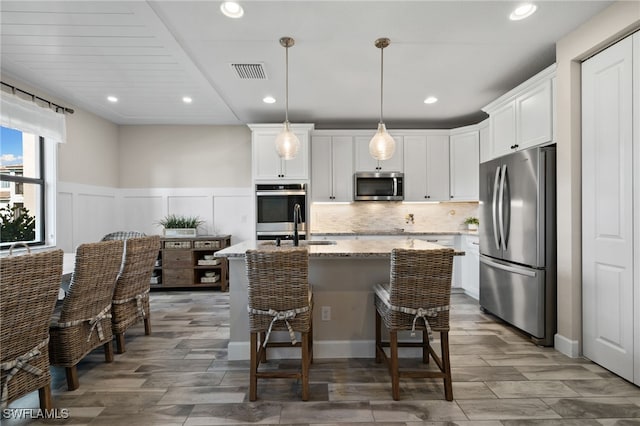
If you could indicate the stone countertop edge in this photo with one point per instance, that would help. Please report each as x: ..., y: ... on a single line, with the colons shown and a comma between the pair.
x: 398, y: 234
x: 342, y: 248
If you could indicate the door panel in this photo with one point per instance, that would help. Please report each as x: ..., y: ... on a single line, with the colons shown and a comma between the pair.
x: 607, y: 209
x: 522, y: 217
x: 489, y: 241
x: 514, y: 293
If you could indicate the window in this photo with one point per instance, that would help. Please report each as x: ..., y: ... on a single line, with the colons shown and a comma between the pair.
x: 22, y: 193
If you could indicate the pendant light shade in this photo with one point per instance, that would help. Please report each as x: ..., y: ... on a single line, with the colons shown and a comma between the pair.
x: 287, y: 143
x: 382, y: 146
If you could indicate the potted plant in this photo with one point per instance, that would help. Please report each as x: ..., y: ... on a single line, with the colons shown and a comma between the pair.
x: 180, y: 226
x: 472, y: 223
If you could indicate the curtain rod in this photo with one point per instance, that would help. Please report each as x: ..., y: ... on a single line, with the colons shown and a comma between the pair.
x: 15, y: 89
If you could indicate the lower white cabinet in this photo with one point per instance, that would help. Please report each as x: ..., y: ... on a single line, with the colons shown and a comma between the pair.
x: 471, y: 265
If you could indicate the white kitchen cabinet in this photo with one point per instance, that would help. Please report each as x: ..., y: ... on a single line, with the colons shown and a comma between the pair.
x: 267, y: 165
x: 471, y: 266
x: 611, y: 208
x: 331, y: 168
x: 523, y: 117
x: 485, y: 141
x: 426, y: 168
x: 364, y: 162
x: 464, y: 163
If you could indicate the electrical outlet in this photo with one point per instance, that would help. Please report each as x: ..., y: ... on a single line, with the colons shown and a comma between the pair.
x: 326, y: 313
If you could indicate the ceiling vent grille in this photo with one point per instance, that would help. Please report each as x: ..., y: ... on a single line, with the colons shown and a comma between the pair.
x: 249, y: 71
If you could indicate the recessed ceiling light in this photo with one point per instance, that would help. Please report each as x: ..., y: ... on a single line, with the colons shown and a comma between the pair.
x: 112, y: 99
x: 231, y: 9
x: 431, y: 100
x: 269, y: 100
x: 523, y: 11
x: 187, y: 99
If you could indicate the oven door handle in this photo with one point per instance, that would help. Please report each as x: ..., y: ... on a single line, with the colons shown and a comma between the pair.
x: 279, y: 193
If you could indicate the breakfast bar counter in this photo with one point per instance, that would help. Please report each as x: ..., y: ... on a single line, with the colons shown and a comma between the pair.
x: 342, y: 274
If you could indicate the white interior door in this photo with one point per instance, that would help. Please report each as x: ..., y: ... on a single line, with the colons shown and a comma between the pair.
x: 636, y: 182
x: 607, y: 209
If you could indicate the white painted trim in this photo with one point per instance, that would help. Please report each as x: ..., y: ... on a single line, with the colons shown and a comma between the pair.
x: 568, y: 347
x: 326, y: 349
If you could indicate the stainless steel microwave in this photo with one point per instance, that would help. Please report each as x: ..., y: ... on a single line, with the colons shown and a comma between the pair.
x: 378, y: 186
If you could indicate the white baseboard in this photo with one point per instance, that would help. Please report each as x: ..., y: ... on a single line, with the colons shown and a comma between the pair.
x: 321, y: 349
x: 325, y: 349
x: 568, y: 347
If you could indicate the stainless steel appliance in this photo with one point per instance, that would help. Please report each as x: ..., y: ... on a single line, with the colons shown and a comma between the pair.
x: 518, y: 241
x: 275, y: 216
x: 378, y: 186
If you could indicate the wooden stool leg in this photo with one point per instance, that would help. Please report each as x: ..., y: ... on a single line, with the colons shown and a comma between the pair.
x: 425, y: 347
x: 263, y: 336
x: 147, y: 325
x: 446, y: 366
x: 311, y: 342
x: 108, y: 351
x: 120, y: 343
x: 253, y: 368
x: 395, y: 373
x: 378, y: 337
x: 305, y: 366
x: 72, y: 378
x: 44, y: 394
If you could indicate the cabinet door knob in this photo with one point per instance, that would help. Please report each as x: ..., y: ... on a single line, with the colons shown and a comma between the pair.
x: 451, y: 196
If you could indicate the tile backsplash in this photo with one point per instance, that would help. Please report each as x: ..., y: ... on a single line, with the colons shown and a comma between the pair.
x: 382, y: 215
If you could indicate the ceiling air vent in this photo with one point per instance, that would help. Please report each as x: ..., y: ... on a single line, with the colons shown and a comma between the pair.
x: 249, y: 71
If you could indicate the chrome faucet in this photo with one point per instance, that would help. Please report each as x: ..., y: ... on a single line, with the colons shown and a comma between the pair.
x: 296, y: 219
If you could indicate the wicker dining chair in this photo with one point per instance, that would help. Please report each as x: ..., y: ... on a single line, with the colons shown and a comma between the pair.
x: 122, y: 235
x: 279, y: 299
x: 82, y: 322
x: 29, y: 287
x: 130, y: 303
x: 417, y: 298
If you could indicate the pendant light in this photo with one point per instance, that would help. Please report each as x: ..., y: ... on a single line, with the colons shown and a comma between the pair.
x: 287, y: 143
x: 382, y: 146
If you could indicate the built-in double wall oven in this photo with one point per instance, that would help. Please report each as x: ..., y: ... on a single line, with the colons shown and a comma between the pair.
x: 275, y: 210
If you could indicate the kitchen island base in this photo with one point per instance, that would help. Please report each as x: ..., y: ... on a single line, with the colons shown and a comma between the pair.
x: 342, y: 281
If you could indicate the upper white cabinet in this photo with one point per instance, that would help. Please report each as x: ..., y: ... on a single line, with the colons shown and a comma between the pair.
x: 485, y: 141
x: 366, y: 163
x: 331, y: 167
x: 523, y: 117
x: 267, y: 165
x: 426, y: 167
x: 464, y: 164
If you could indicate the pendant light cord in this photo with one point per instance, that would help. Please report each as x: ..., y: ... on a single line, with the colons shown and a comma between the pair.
x: 381, y: 80
x: 286, y: 87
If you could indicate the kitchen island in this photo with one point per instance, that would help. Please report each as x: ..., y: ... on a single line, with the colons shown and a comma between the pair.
x: 342, y: 274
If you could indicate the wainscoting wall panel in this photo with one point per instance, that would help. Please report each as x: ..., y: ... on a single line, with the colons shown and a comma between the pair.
x: 85, y: 213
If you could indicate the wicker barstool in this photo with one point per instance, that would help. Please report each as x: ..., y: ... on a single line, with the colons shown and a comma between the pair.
x: 279, y: 299
x: 122, y: 235
x: 130, y: 303
x: 83, y: 321
x: 417, y: 298
x: 29, y: 287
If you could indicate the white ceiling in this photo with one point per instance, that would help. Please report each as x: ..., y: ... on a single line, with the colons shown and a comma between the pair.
x: 152, y: 53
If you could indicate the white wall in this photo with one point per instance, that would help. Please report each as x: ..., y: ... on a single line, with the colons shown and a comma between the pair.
x: 612, y: 24
x: 184, y: 156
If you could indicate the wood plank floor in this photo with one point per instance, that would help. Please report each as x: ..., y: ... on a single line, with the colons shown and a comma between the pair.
x: 180, y: 375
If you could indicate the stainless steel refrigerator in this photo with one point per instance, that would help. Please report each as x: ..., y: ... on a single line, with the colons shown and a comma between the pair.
x: 518, y: 241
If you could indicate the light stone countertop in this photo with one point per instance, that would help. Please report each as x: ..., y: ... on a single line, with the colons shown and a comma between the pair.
x: 341, y: 248
x: 397, y: 232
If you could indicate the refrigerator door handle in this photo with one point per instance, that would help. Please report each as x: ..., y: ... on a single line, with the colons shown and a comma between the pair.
x: 514, y: 269
x: 494, y: 215
x: 501, y: 208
